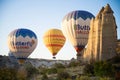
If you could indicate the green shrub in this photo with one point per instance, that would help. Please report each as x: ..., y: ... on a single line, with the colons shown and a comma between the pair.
x: 84, y: 78
x: 52, y: 71
x: 8, y: 74
x: 63, y: 75
x: 58, y: 65
x: 74, y: 64
x: 44, y: 77
x: 104, y: 69
x: 43, y: 70
x: 89, y: 69
x: 31, y: 71
x: 106, y: 78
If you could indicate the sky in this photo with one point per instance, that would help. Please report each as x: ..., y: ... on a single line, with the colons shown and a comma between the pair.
x: 42, y: 15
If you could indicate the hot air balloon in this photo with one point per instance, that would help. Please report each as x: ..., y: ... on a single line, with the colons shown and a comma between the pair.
x: 75, y: 27
x: 54, y: 40
x: 22, y: 43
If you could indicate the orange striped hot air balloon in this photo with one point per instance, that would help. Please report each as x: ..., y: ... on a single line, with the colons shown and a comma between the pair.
x: 54, y: 40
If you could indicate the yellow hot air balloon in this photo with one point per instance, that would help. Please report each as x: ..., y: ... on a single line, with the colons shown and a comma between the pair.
x: 54, y: 40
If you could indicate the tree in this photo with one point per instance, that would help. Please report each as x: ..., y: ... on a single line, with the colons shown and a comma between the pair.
x: 103, y: 68
x: 31, y: 71
x: 89, y: 69
x: 44, y: 77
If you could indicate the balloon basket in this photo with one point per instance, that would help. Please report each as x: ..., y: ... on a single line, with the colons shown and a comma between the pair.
x: 54, y: 57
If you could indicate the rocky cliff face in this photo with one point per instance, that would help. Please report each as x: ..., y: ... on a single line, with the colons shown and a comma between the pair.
x: 102, y: 37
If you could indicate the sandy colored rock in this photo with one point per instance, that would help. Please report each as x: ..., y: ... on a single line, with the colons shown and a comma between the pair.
x: 102, y: 36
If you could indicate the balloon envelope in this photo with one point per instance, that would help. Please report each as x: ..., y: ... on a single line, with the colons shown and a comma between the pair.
x: 76, y: 26
x: 54, y: 40
x: 21, y: 43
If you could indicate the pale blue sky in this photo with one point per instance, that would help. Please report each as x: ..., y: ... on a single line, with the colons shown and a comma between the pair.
x: 41, y: 15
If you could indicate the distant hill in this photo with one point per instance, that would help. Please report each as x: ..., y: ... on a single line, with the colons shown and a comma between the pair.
x: 8, y: 61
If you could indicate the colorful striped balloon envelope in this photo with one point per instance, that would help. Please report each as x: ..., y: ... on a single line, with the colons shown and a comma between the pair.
x: 54, y: 40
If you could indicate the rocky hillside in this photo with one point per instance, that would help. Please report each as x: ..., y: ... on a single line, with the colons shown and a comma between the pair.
x: 11, y: 61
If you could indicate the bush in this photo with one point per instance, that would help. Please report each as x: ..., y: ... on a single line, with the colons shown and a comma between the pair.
x: 106, y: 78
x: 8, y: 74
x: 58, y: 65
x: 31, y: 71
x: 104, y: 69
x: 63, y: 75
x: 44, y: 77
x: 74, y: 64
x: 43, y: 70
x: 21, y: 73
x: 12, y: 74
x: 89, y: 69
x: 84, y: 78
x: 52, y: 71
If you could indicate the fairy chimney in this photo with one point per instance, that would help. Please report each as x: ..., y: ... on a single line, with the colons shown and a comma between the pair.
x: 102, y: 36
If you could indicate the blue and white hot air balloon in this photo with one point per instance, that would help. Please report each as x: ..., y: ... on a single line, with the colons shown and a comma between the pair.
x: 22, y: 43
x: 75, y: 27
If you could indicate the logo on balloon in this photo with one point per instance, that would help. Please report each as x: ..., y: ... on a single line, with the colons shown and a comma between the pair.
x: 23, y: 45
x: 81, y: 29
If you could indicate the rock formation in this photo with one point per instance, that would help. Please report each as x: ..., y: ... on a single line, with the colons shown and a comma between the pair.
x: 102, y: 36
